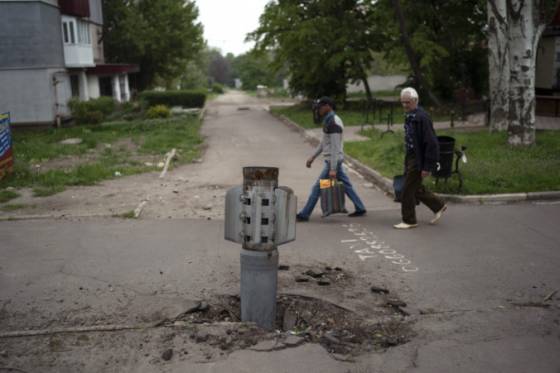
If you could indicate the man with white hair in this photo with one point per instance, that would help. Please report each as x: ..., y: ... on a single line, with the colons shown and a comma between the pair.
x: 422, y: 155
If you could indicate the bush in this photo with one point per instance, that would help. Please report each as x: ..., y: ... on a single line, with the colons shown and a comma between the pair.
x: 92, y: 111
x: 187, y: 99
x: 158, y: 111
x: 217, y: 88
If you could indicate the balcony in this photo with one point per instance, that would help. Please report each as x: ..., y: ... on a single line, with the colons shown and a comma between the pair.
x: 77, y: 55
x: 78, y: 8
x: 76, y: 35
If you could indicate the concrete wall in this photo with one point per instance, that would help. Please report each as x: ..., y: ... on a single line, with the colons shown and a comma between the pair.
x: 97, y: 44
x: 35, y: 104
x: 546, y: 56
x: 95, y: 12
x: 30, y: 35
x: 93, y: 86
x: 378, y: 83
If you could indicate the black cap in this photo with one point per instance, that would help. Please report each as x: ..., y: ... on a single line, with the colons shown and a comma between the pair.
x: 326, y: 101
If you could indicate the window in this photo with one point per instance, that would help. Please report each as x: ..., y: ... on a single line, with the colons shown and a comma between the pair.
x: 72, y: 26
x: 83, y: 33
x: 65, y: 32
x: 68, y: 31
x: 75, y: 31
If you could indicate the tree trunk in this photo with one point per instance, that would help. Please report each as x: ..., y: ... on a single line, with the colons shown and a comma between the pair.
x: 525, y: 29
x: 411, y: 54
x: 498, y: 64
x: 366, y: 84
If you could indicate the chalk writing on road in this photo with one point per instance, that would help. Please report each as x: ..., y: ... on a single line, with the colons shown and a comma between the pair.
x: 367, y: 246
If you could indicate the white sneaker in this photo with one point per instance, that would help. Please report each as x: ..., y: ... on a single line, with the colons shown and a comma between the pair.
x: 404, y: 225
x: 438, y: 215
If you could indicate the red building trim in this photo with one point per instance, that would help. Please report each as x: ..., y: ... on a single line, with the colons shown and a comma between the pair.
x: 112, y: 69
x: 78, y: 8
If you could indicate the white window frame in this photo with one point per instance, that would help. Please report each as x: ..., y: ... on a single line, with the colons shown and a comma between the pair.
x: 83, y: 33
x: 69, y: 34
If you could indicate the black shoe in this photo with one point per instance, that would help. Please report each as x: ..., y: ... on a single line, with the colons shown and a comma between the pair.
x: 355, y: 214
x: 301, y: 218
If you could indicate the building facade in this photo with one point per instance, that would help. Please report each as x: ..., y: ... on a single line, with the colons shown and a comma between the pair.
x: 50, y: 52
x: 547, y: 78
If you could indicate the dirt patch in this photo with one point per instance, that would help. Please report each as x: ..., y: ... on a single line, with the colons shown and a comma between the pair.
x: 338, y: 329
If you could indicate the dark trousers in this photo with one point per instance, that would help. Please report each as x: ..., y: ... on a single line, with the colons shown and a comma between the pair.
x: 413, y: 191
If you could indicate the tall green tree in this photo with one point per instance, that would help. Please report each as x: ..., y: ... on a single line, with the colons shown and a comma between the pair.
x: 443, y: 42
x: 322, y: 43
x: 253, y: 68
x: 219, y: 68
x: 161, y: 36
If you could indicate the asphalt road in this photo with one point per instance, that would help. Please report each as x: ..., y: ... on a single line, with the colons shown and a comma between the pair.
x: 479, y: 286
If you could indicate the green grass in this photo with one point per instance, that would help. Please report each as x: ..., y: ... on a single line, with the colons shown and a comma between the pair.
x: 6, y: 195
x: 126, y: 215
x: 492, y: 167
x: 151, y: 137
x: 377, y: 94
x: 12, y: 207
x: 302, y: 115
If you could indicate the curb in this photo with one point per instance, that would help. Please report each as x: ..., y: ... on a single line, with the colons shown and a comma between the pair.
x: 386, y: 185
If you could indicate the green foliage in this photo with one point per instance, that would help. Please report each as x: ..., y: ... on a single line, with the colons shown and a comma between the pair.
x: 219, y: 68
x: 6, y: 195
x: 194, y: 76
x: 322, y: 43
x: 217, y: 88
x: 153, y: 137
x: 158, y: 111
x: 92, y: 111
x: 187, y: 99
x: 493, y: 166
x: 161, y: 36
x: 449, y: 40
x: 253, y: 68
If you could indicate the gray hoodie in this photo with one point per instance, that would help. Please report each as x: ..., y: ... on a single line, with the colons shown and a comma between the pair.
x: 331, y: 144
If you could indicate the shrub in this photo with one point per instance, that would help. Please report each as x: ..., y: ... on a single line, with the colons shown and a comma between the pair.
x: 92, y: 111
x: 158, y: 111
x: 217, y: 88
x: 94, y: 117
x: 187, y: 99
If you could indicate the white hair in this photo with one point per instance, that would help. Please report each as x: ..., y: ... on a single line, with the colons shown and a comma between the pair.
x: 409, y: 91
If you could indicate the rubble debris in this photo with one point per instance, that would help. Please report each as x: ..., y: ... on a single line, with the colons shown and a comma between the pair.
x: 167, y: 354
x: 376, y: 289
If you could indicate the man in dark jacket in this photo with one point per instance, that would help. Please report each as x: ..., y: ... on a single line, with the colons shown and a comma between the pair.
x: 422, y: 154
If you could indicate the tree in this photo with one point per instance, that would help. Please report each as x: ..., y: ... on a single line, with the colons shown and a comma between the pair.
x: 442, y: 41
x: 411, y: 53
x: 322, y: 43
x: 515, y: 28
x: 161, y: 36
x: 253, y: 68
x: 219, y: 68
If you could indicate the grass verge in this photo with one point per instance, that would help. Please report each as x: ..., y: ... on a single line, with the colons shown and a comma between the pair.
x: 492, y: 167
x: 301, y: 114
x: 6, y: 195
x: 109, y: 150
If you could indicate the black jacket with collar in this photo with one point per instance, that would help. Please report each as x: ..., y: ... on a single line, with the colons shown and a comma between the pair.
x: 426, y: 145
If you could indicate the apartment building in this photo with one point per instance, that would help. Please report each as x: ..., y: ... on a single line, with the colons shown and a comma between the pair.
x: 52, y: 51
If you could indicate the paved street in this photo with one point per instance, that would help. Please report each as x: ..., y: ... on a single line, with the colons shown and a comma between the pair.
x: 479, y: 286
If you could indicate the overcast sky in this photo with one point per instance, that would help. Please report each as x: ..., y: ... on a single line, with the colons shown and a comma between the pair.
x: 227, y: 22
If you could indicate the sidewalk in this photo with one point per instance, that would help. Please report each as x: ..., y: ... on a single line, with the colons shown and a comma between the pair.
x: 351, y: 133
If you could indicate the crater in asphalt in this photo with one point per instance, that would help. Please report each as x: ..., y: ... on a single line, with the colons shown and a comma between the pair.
x: 338, y: 329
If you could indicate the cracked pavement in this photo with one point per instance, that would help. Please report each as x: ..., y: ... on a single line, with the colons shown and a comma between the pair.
x: 475, y: 284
